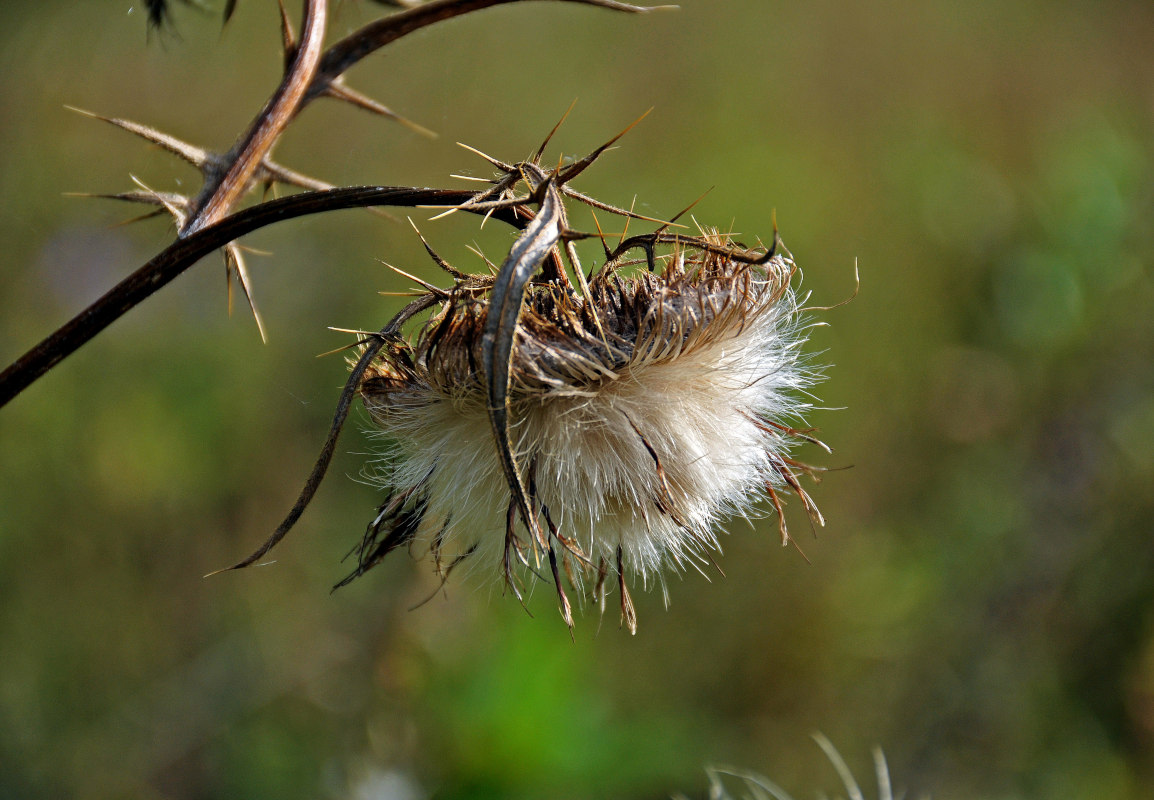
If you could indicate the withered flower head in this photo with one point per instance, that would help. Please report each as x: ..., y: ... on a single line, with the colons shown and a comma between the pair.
x: 605, y: 428
x: 627, y: 418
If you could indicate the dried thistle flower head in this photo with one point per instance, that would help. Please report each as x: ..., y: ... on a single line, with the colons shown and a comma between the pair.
x: 606, y: 428
x: 641, y: 411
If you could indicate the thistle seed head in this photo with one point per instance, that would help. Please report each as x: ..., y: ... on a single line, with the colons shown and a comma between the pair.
x: 642, y: 412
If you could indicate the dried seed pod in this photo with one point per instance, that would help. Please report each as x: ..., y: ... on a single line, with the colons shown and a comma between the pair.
x: 641, y: 414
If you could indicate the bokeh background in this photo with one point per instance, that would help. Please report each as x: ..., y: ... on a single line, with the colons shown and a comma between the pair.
x: 980, y: 603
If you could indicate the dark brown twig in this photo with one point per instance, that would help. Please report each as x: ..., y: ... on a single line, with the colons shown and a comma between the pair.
x: 183, y: 253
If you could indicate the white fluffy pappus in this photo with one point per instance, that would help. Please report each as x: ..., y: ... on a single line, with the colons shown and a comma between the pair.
x: 643, y: 411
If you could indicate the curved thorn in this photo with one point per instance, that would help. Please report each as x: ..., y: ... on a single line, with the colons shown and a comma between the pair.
x: 689, y: 208
x: 577, y: 167
x: 501, y: 165
x: 197, y: 156
x: 288, y: 36
x: 234, y: 264
x: 440, y: 262
x: 338, y: 90
x: 536, y: 159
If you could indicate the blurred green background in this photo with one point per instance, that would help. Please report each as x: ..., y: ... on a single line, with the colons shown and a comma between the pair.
x: 980, y: 604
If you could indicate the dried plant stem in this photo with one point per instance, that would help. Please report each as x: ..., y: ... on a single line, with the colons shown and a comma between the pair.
x: 183, y: 253
x: 220, y: 193
x: 313, y: 73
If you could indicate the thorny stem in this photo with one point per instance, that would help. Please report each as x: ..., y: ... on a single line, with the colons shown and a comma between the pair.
x: 312, y: 73
x: 183, y: 253
x: 221, y: 192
